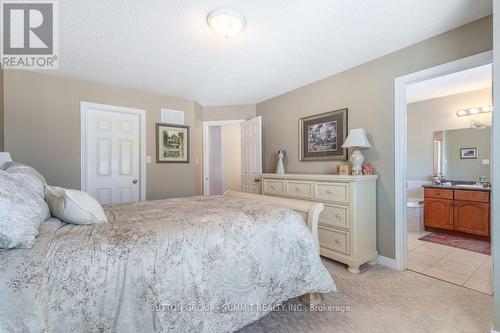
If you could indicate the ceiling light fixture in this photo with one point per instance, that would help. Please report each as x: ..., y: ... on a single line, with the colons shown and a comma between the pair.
x: 226, y: 22
x: 474, y: 111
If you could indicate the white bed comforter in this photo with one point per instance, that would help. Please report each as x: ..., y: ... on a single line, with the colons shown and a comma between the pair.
x: 182, y: 265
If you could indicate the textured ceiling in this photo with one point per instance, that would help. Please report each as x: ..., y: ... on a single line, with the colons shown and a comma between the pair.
x: 165, y: 46
x: 456, y: 83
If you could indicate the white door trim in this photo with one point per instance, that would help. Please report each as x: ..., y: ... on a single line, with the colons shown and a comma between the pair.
x: 84, y: 106
x: 400, y: 138
x: 206, y: 148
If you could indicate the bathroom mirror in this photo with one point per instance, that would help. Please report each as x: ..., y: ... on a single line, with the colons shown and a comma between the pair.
x: 462, y: 154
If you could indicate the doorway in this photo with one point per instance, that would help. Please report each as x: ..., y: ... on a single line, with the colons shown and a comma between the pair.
x: 221, y: 156
x: 113, y: 153
x: 401, y: 159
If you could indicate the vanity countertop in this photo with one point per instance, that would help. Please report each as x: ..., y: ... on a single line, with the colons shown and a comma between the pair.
x: 459, y: 187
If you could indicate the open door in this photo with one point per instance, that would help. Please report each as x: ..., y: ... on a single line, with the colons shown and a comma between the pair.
x: 251, y: 155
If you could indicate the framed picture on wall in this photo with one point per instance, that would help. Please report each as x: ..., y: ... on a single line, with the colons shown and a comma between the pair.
x: 172, y: 143
x: 321, y: 136
x: 468, y: 153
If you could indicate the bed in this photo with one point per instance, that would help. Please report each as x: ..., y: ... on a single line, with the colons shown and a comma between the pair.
x: 198, y: 264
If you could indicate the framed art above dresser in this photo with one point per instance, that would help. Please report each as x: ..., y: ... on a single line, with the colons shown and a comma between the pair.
x: 348, y: 224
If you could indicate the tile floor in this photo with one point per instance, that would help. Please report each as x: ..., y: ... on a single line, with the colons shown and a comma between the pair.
x: 465, y: 268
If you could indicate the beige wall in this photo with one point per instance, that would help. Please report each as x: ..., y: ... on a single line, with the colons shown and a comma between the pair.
x: 232, y: 112
x: 368, y: 92
x: 437, y: 114
x: 231, y: 157
x: 1, y: 109
x: 42, y: 117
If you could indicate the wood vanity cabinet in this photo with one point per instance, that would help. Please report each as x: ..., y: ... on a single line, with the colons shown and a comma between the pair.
x: 438, y: 213
x: 459, y: 211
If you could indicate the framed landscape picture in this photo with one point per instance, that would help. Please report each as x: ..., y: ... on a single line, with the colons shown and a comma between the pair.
x: 172, y: 143
x: 468, y: 153
x: 321, y: 136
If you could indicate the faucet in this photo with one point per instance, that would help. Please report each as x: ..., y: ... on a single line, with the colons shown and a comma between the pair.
x: 481, y: 181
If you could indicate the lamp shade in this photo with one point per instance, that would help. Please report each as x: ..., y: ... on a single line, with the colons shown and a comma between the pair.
x: 5, y: 157
x: 356, y: 138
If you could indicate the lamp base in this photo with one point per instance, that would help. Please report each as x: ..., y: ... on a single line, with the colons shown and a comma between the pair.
x: 357, y: 160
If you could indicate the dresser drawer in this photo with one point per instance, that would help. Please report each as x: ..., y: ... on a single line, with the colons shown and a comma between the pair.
x: 478, y: 196
x: 337, y: 192
x: 335, y: 216
x: 299, y: 189
x: 438, y: 193
x: 273, y: 186
x: 334, y: 239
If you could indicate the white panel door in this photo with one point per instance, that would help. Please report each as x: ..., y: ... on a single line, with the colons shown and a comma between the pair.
x: 112, y: 155
x: 251, y: 155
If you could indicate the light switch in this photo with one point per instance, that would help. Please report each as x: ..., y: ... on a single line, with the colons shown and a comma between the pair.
x: 148, y: 159
x: 486, y: 162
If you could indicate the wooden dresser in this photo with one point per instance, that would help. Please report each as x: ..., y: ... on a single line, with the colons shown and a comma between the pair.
x: 457, y: 210
x: 348, y: 224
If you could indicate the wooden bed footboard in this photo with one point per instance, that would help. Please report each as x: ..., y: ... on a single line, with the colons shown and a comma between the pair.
x: 307, y: 209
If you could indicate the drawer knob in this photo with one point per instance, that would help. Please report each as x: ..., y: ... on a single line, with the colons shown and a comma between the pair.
x: 337, y: 216
x: 297, y: 189
x: 329, y: 192
x: 272, y: 187
x: 337, y: 241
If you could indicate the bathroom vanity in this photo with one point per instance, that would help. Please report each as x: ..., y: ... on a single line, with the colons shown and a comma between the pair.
x: 457, y: 209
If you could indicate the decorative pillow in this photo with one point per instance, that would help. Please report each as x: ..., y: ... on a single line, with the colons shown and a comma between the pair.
x: 28, y: 176
x: 21, y: 212
x: 73, y: 206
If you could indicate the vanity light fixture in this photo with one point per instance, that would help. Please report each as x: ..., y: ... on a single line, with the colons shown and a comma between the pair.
x: 226, y: 22
x: 474, y: 111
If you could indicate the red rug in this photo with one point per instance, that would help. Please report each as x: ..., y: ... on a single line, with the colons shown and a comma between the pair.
x: 461, y: 242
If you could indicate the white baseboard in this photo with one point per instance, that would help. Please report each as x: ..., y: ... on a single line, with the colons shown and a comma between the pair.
x: 493, y: 331
x: 387, y: 262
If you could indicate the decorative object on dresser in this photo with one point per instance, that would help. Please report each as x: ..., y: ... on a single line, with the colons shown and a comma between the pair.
x: 172, y: 143
x: 357, y: 139
x: 458, y: 211
x: 343, y: 169
x: 321, y: 136
x: 368, y: 169
x: 347, y: 225
x: 280, y: 169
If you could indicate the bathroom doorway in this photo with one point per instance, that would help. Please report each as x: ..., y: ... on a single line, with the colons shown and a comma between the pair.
x: 443, y: 128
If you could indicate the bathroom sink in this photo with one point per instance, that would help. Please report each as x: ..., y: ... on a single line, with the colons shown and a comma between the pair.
x: 470, y: 186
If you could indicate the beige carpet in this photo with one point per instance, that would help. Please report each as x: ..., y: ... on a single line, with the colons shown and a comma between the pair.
x: 383, y: 300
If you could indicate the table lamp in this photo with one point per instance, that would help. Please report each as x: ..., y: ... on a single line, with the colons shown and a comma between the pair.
x: 357, y: 140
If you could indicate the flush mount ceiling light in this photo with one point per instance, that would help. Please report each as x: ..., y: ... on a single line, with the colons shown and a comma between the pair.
x: 474, y: 111
x: 226, y: 22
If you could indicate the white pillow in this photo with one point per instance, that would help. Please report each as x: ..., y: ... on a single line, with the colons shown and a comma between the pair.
x: 73, y: 206
x: 28, y: 177
x: 21, y: 212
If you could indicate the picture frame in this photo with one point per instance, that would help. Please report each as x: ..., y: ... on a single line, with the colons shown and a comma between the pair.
x: 321, y: 136
x: 468, y: 153
x: 172, y: 143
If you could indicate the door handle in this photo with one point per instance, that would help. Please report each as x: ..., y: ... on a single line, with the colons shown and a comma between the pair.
x: 134, y: 181
x: 257, y: 180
